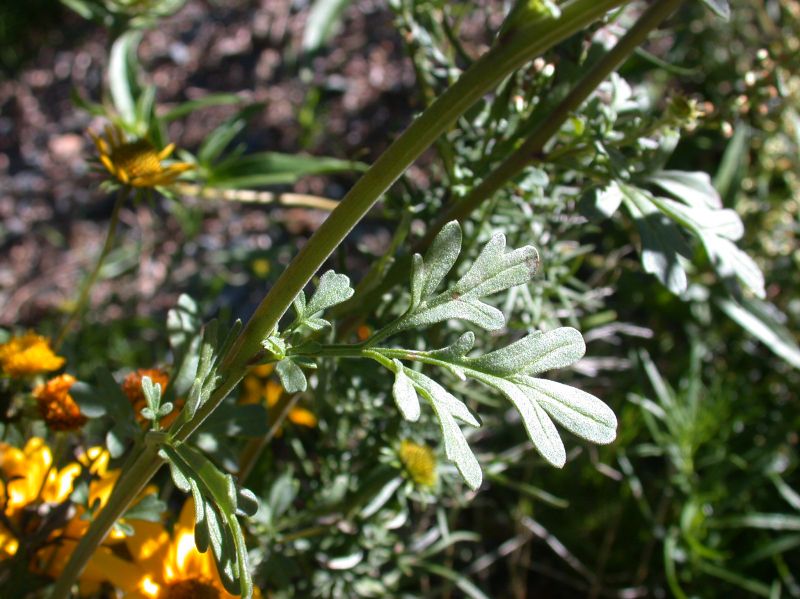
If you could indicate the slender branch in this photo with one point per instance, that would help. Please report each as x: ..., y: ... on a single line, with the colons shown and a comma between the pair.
x: 520, y: 44
x: 92, y: 279
x: 252, y: 196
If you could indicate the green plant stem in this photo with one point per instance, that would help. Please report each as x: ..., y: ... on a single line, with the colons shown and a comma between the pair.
x: 521, y: 43
x: 92, y: 279
x: 531, y: 149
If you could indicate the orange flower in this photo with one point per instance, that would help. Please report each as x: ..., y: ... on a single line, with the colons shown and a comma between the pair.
x: 28, y: 354
x: 58, y: 409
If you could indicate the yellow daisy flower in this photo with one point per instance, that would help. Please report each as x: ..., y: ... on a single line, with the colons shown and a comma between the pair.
x: 419, y: 461
x: 257, y: 387
x: 30, y: 478
x: 56, y: 405
x: 136, y: 163
x: 52, y: 558
x: 163, y: 566
x: 28, y: 354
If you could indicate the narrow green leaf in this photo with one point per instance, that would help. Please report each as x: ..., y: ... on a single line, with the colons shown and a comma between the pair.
x: 122, y: 76
x: 323, y: 19
x: 189, y: 107
x: 721, y: 8
x: 273, y: 168
x: 759, y: 320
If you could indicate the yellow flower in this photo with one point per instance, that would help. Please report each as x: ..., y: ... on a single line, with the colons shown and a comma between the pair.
x: 137, y: 163
x: 257, y: 387
x: 58, y: 409
x: 163, y: 566
x: 52, y: 558
x: 29, y: 477
x: 419, y: 461
x: 28, y: 354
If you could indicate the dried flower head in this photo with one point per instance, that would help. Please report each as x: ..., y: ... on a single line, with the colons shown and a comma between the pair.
x: 419, y: 461
x: 28, y: 354
x: 137, y: 163
x: 56, y: 405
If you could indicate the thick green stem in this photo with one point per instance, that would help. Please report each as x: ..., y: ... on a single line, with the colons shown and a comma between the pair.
x: 531, y: 149
x: 80, y: 304
x: 521, y: 43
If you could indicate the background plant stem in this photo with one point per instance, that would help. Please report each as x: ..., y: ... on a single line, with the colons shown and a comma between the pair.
x: 92, y: 279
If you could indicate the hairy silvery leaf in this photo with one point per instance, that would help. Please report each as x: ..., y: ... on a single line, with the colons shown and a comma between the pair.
x: 447, y: 409
x: 509, y: 371
x: 608, y: 200
x: 405, y: 396
x: 291, y: 375
x: 469, y: 309
x: 455, y: 350
x: 579, y: 412
x: 441, y: 257
x: 332, y: 289
x: 538, y: 352
x: 494, y: 270
x: 541, y: 430
x: 223, y: 531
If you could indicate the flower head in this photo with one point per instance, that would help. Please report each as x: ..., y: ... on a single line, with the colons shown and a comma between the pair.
x: 137, y: 163
x: 419, y: 461
x: 28, y: 354
x: 58, y: 409
x: 30, y: 478
x: 163, y: 565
